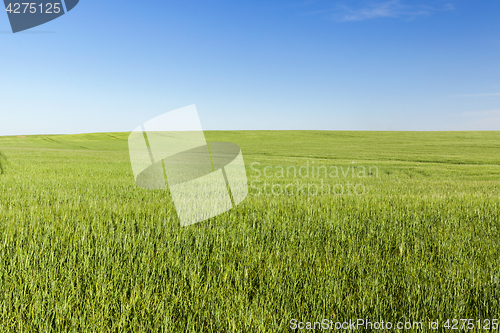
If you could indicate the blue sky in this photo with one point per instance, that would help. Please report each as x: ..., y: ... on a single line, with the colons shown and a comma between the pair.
x: 317, y: 64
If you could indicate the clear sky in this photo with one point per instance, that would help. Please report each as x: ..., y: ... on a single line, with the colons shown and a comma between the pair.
x: 362, y: 65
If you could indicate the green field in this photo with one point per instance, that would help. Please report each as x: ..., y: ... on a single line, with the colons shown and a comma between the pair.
x: 82, y: 249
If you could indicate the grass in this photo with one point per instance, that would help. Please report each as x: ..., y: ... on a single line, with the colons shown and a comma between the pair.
x: 2, y: 162
x: 82, y: 249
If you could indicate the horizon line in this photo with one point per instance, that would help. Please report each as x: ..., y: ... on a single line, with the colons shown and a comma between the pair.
x: 265, y: 130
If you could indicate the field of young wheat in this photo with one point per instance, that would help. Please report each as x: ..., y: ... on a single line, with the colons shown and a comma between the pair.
x: 383, y: 226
